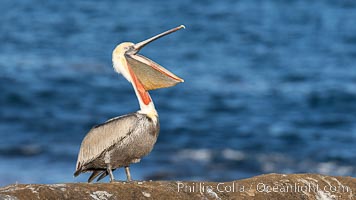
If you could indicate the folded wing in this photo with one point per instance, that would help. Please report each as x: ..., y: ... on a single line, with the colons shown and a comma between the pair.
x: 94, y: 145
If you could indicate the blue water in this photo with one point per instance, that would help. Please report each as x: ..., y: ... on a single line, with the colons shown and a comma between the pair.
x: 270, y: 86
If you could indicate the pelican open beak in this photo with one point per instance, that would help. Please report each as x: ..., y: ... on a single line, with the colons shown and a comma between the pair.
x: 137, y: 47
x: 150, y: 74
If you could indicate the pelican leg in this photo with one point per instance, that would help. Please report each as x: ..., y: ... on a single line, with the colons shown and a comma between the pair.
x: 128, y: 174
x: 109, y: 170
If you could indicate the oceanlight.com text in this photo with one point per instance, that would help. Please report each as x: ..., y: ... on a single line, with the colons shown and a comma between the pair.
x: 201, y: 187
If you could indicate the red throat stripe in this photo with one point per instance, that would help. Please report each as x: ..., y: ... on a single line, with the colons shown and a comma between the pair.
x: 141, y: 90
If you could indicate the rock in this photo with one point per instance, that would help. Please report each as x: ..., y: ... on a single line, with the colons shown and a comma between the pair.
x: 270, y: 186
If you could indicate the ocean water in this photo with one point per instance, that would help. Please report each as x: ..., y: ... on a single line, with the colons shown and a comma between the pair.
x: 270, y: 86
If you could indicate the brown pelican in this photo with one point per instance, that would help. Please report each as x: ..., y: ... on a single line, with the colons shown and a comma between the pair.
x: 126, y: 139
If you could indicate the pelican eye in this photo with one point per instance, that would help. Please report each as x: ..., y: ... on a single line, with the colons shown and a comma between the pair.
x: 128, y: 49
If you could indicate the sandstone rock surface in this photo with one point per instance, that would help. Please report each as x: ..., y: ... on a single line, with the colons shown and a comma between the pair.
x: 269, y: 186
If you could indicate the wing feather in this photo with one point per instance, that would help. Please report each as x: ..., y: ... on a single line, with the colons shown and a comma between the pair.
x: 103, y: 136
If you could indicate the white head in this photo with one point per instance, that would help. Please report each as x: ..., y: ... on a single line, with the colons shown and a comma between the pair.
x: 119, y: 60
